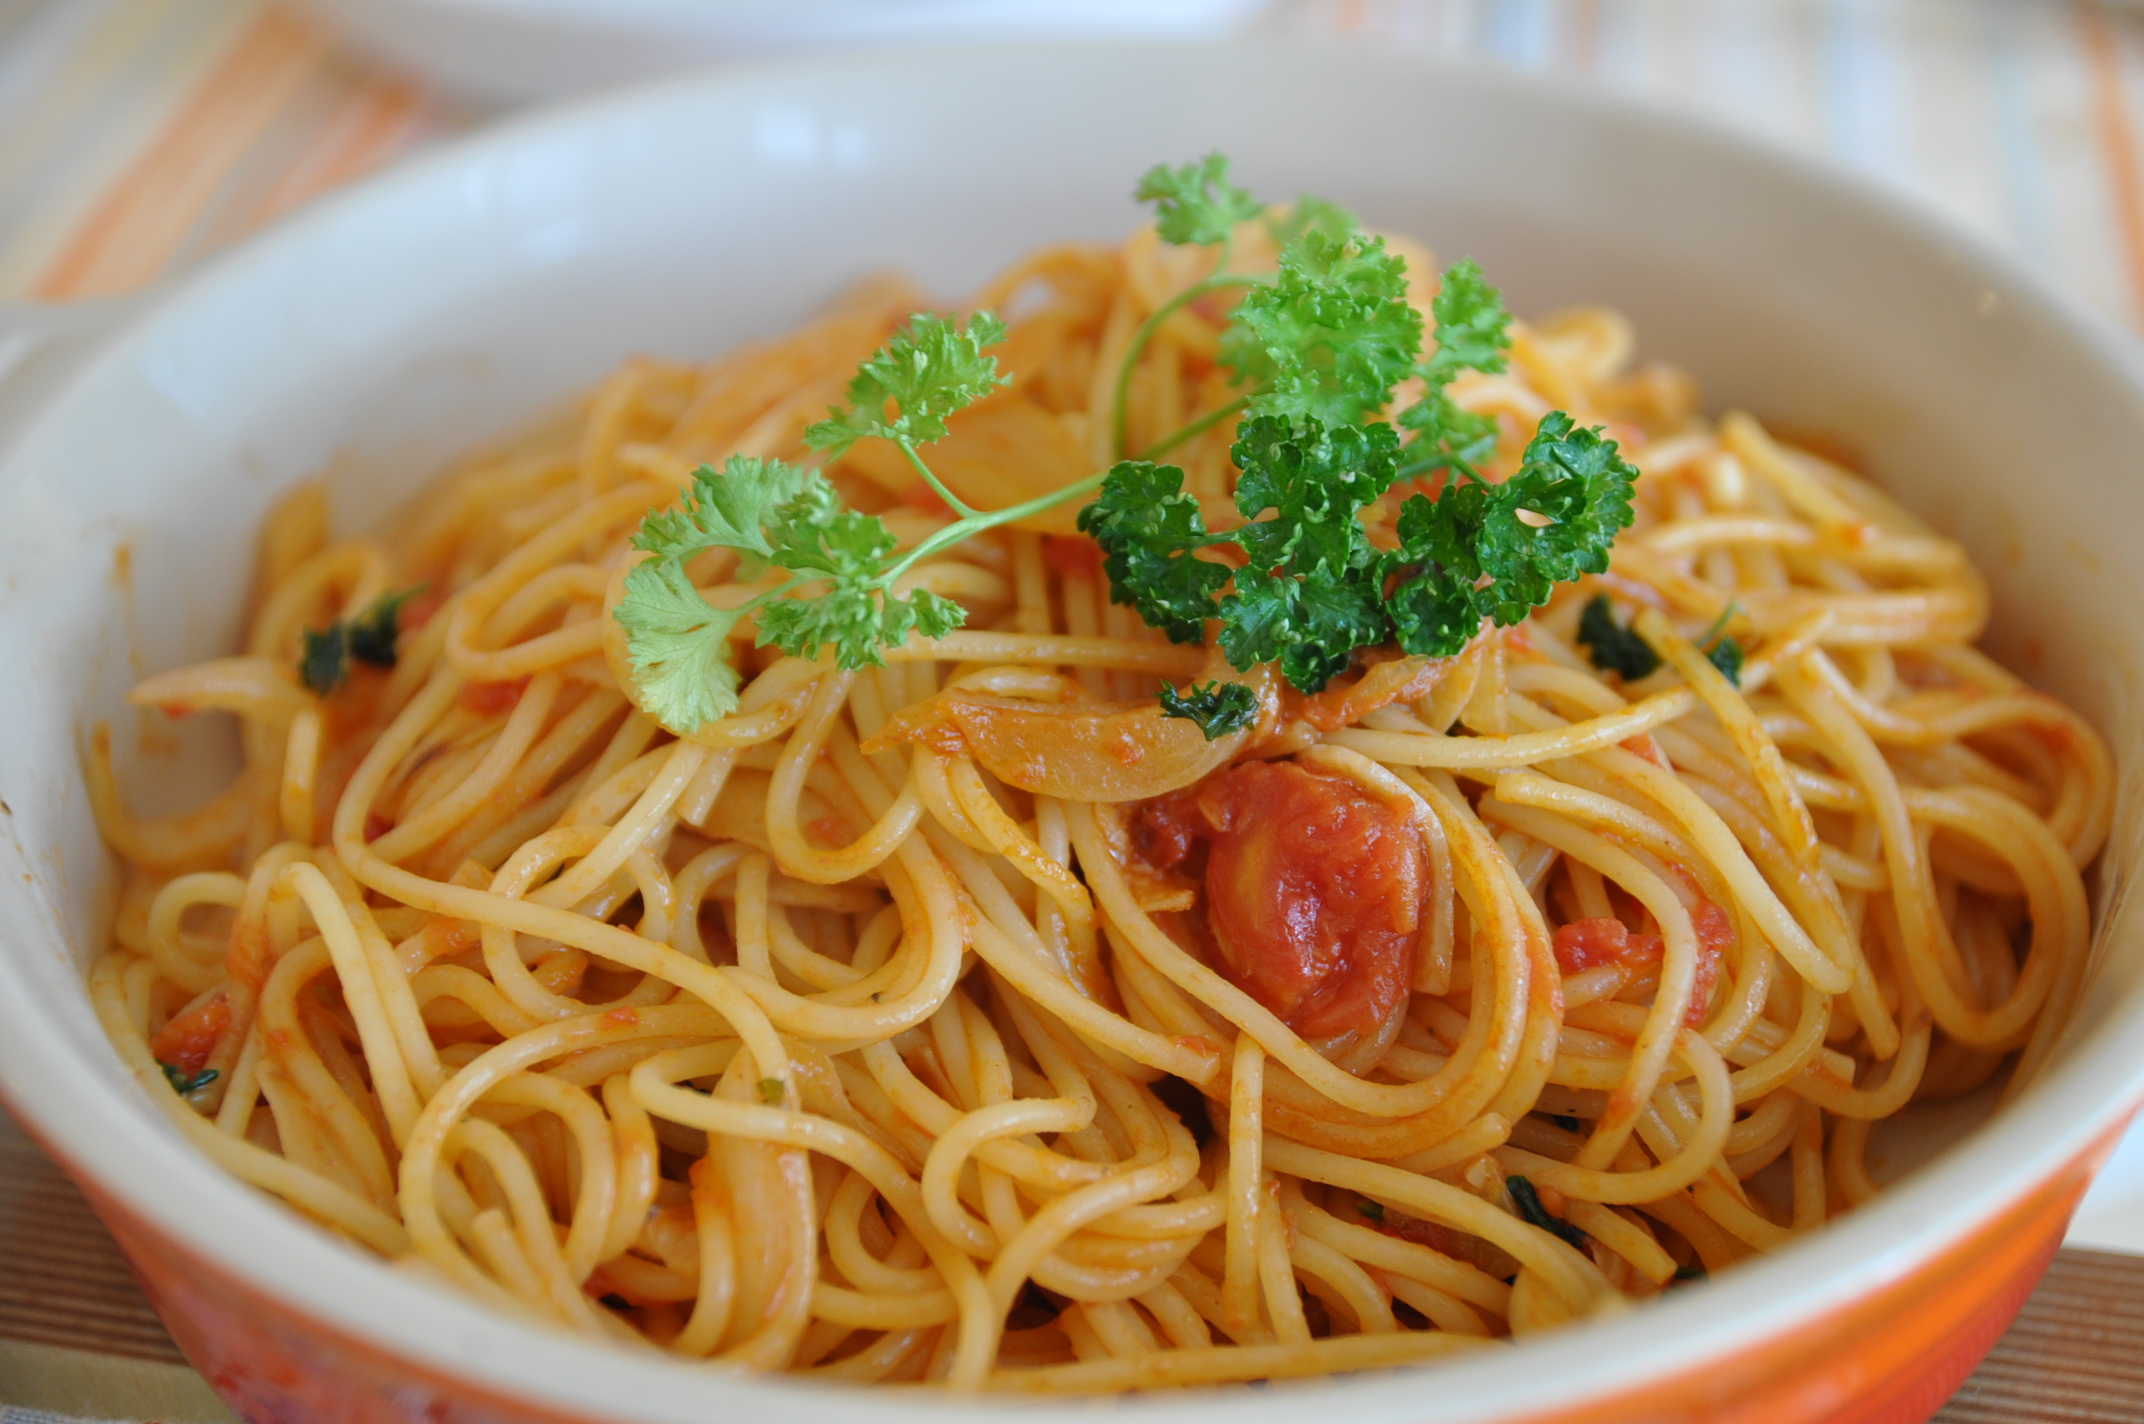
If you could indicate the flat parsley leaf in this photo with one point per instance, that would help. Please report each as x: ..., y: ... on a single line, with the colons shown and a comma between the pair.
x: 678, y: 644
x: 1331, y: 335
x: 1195, y: 203
x: 723, y: 511
x: 843, y: 564
x: 930, y: 370
x: 1218, y: 707
x: 1149, y: 529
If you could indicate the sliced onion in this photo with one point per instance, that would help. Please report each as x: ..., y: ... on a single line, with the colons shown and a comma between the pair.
x: 1077, y: 751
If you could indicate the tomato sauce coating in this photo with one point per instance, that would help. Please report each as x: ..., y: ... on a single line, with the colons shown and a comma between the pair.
x: 1588, y: 944
x: 1314, y: 890
x: 187, y: 1041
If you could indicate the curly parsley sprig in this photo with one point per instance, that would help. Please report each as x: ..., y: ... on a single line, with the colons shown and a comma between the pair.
x: 1319, y: 347
x: 1323, y: 346
x: 1327, y: 334
x: 842, y: 565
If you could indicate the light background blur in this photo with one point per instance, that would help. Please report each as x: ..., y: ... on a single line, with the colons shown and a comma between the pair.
x: 138, y: 135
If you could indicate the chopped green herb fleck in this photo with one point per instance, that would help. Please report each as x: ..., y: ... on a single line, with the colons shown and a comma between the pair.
x: 183, y: 1082
x: 1529, y: 1200
x: 324, y: 653
x: 373, y: 632
x: 1218, y: 707
x: 772, y: 1093
x: 324, y: 658
x: 1375, y: 1211
x: 1726, y: 655
x: 1612, y: 646
x: 1564, y: 1121
x: 1719, y: 624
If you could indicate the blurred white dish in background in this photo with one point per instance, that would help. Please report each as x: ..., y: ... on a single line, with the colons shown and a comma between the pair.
x: 515, y: 50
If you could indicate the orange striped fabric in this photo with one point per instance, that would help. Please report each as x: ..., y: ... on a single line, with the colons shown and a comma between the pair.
x: 159, y: 149
x: 164, y: 129
x: 142, y: 222
x: 2116, y: 137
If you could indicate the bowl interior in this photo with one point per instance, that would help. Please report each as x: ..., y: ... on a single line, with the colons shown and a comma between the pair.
x: 396, y: 326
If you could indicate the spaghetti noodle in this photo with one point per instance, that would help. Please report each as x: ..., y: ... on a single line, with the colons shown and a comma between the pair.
x: 892, y: 1028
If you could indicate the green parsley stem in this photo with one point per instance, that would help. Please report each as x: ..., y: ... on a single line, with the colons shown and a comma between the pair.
x: 1719, y: 625
x: 762, y: 599
x: 1195, y: 428
x: 978, y: 521
x: 953, y: 501
x: 1436, y: 462
x: 1220, y: 281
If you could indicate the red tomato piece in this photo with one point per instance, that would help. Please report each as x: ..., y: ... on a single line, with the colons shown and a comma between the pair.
x: 187, y: 1041
x: 1314, y: 890
x: 1588, y: 944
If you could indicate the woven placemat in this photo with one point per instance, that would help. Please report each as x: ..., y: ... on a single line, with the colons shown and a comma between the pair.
x: 77, y: 1336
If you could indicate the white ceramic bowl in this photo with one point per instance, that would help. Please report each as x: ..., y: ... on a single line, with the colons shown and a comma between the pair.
x: 515, y: 50
x: 392, y: 325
